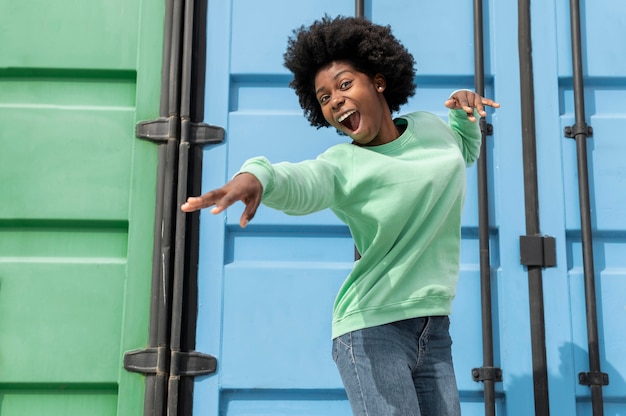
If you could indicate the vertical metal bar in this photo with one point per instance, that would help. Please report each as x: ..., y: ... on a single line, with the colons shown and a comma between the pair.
x: 167, y: 224
x: 164, y: 298
x: 180, y: 218
x: 190, y: 299
x: 150, y: 395
x: 167, y: 45
x: 174, y: 71
x: 194, y: 187
x: 359, y: 8
x: 155, y: 384
x: 531, y: 201
x: 580, y: 132
x: 483, y: 217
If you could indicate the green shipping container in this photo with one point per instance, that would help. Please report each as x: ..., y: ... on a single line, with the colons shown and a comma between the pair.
x: 77, y: 197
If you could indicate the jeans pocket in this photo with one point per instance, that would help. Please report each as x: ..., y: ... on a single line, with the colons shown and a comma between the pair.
x: 342, y: 345
x: 436, y: 336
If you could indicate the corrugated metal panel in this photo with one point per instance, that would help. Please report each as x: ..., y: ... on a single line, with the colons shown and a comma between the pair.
x: 78, y: 196
x: 266, y: 292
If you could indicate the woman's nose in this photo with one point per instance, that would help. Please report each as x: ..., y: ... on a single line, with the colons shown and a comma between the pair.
x: 337, y: 100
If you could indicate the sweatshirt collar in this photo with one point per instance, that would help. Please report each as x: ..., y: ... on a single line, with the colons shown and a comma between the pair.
x: 400, y: 141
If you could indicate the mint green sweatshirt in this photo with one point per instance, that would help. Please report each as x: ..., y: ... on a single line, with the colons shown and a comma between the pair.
x: 402, y: 202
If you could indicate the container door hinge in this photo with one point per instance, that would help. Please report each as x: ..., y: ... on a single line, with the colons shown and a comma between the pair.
x: 537, y: 250
x: 593, y: 378
x: 178, y: 363
x: 161, y: 129
x: 487, y: 373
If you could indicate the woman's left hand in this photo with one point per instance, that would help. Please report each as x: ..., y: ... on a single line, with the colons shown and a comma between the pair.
x: 468, y: 101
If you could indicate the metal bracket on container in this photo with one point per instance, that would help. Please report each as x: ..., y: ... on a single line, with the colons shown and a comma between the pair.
x: 579, y: 128
x: 161, y: 129
x: 537, y: 250
x: 487, y: 373
x: 157, y: 361
x: 593, y: 378
x: 485, y: 128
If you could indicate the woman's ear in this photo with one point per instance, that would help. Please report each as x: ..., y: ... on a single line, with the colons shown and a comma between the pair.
x: 379, y: 82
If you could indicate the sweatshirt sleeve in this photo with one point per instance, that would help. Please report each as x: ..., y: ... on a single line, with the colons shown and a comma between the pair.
x: 299, y: 188
x: 466, y: 133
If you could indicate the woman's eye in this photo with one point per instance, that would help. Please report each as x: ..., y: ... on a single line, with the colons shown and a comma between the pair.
x: 323, y: 99
x: 345, y: 84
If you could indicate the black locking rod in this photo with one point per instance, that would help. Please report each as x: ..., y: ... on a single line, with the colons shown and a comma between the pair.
x: 595, y: 379
x: 531, y: 203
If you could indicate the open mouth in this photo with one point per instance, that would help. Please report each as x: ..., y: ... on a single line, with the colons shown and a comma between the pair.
x: 350, y: 120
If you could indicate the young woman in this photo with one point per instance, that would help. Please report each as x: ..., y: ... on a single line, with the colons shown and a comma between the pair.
x: 399, y: 186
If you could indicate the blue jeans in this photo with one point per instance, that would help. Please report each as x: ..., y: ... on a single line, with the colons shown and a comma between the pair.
x: 402, y: 368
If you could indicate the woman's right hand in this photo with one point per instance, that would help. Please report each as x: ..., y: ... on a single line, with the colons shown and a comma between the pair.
x: 244, y: 187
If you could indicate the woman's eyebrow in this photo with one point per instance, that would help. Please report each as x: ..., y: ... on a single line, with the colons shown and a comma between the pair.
x: 337, y: 75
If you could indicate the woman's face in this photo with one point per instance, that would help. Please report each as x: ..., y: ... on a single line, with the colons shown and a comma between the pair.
x: 353, y: 102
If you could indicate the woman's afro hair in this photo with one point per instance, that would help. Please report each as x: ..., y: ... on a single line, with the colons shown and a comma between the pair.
x: 369, y: 48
